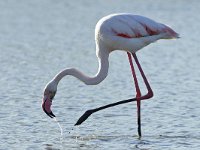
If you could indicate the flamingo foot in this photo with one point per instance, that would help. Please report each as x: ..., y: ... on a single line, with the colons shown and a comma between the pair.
x: 84, y: 117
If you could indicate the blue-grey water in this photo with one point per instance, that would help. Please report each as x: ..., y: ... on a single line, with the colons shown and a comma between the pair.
x: 38, y: 38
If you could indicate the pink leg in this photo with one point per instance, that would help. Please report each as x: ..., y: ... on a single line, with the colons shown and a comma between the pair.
x: 138, y: 94
x: 150, y: 92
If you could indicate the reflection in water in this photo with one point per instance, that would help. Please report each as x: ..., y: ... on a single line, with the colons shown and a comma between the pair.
x: 50, y: 147
x: 147, y: 142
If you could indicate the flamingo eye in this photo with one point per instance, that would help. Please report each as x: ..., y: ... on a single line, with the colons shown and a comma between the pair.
x: 52, y: 94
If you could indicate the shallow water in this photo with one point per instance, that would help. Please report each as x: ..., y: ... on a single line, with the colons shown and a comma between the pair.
x: 39, y: 38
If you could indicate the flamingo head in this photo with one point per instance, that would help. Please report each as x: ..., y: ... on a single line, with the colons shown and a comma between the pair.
x: 49, y: 93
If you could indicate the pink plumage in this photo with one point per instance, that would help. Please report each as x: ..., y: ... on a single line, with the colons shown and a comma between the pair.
x: 133, y: 26
x: 140, y: 31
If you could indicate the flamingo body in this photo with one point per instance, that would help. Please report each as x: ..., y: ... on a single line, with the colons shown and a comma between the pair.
x: 125, y: 32
x: 130, y: 32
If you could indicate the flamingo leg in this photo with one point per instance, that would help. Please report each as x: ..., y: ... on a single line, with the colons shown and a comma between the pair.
x: 138, y: 94
x: 150, y: 91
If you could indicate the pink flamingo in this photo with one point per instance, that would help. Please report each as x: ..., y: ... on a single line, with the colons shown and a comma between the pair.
x: 125, y: 32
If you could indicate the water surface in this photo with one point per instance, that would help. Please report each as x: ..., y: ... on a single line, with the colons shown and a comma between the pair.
x: 39, y: 38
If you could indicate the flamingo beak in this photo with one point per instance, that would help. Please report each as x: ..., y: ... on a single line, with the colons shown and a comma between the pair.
x: 46, y: 106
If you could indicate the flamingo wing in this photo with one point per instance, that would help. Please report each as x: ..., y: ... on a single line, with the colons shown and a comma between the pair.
x: 135, y: 26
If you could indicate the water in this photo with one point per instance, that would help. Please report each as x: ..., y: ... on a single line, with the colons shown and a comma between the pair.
x: 61, y: 129
x: 39, y: 38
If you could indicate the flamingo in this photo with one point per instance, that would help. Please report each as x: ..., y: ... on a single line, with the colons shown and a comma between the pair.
x: 126, y: 32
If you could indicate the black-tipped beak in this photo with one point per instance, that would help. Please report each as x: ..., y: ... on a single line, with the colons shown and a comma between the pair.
x: 50, y: 114
x: 46, y: 106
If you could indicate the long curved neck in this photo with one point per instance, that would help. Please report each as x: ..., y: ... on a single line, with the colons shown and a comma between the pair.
x: 100, y: 76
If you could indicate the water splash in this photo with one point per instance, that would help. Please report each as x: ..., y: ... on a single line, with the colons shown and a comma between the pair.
x: 61, y: 130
